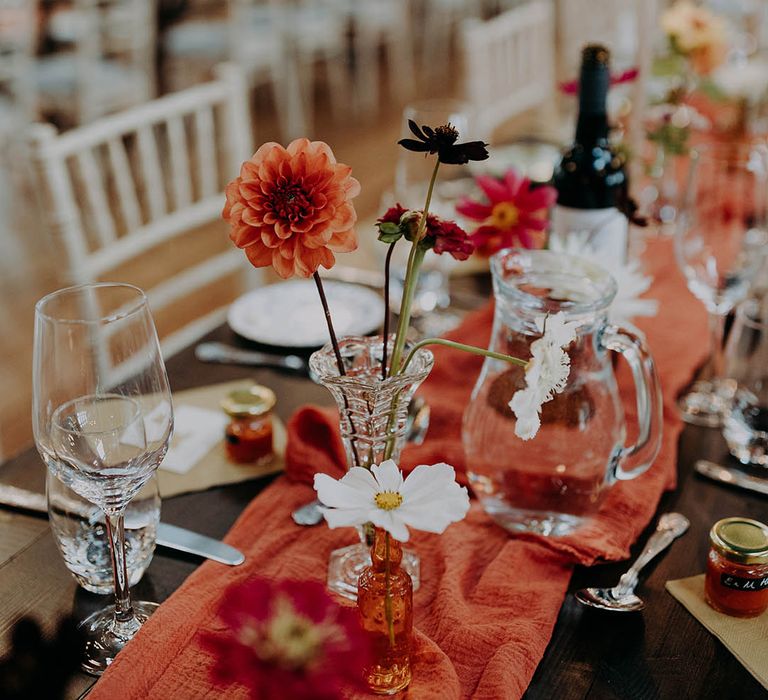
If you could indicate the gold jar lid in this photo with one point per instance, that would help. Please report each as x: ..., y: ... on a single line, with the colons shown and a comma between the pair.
x: 741, y: 540
x: 252, y: 401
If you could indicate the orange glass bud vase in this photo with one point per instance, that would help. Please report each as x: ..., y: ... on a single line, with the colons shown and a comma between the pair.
x: 385, y: 602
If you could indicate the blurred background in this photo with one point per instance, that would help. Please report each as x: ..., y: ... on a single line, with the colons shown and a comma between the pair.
x: 137, y: 197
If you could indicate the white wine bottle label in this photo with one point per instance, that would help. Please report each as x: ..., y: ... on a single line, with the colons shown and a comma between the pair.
x: 603, y: 231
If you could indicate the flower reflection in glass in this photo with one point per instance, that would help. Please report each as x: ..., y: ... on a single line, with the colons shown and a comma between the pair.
x: 513, y: 214
x: 291, y: 208
x: 288, y: 639
x: 546, y: 374
x: 428, y: 499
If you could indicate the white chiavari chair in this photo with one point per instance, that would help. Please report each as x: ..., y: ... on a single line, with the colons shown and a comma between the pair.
x: 107, y: 59
x: 18, y: 41
x: 380, y: 24
x: 509, y: 64
x: 439, y: 21
x: 127, y: 189
x: 315, y: 32
x: 608, y: 22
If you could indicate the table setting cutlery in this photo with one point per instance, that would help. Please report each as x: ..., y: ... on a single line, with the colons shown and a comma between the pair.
x: 731, y: 477
x: 622, y: 598
x: 169, y: 536
x: 226, y: 354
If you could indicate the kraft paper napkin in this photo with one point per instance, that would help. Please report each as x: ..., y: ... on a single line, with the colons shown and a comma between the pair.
x: 745, y: 638
x: 213, y: 468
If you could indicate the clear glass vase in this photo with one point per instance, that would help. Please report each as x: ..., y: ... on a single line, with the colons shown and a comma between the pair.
x: 373, y: 415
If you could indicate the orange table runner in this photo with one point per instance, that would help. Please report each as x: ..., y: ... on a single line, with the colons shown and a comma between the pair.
x: 488, y: 602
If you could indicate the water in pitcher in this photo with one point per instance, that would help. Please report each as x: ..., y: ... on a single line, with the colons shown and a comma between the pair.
x: 551, y: 483
x: 547, y: 484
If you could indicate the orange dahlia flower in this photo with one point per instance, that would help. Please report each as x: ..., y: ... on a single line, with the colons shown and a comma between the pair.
x: 291, y: 208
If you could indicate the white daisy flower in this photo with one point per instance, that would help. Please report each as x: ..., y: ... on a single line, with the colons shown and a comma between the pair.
x: 427, y: 499
x: 546, y: 374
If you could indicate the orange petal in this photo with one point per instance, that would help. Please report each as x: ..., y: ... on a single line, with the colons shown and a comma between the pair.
x: 343, y: 241
x: 258, y: 255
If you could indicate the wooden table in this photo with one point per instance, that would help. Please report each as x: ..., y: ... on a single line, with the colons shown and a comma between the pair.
x: 662, y: 652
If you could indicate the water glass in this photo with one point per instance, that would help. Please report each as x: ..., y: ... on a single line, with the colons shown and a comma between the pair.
x: 746, y: 422
x: 720, y: 246
x: 81, y: 535
x: 102, y: 418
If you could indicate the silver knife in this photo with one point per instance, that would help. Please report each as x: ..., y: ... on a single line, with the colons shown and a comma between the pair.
x: 733, y: 477
x: 169, y: 536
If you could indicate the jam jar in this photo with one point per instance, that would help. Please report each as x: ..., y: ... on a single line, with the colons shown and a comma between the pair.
x: 249, y: 433
x: 736, y: 582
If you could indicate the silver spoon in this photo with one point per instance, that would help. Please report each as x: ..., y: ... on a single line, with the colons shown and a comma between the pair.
x: 416, y: 430
x: 622, y: 598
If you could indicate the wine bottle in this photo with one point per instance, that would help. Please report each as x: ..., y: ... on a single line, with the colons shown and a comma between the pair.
x: 590, y: 178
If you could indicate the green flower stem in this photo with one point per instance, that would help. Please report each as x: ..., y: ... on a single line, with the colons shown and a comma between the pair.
x: 388, y: 593
x: 415, y: 259
x: 461, y: 346
x: 409, y: 290
x: 387, y: 313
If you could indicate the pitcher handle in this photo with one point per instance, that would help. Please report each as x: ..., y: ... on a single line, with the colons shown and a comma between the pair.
x: 635, y: 459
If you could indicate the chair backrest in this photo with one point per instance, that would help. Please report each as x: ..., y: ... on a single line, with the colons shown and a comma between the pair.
x: 509, y: 63
x: 123, y: 186
x: 609, y: 22
x: 18, y: 40
x: 113, y: 41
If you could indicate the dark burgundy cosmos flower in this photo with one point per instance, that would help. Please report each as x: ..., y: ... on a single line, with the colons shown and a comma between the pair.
x: 442, y: 141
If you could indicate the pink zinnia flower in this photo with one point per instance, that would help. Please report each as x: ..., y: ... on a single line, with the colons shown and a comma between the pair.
x: 288, y: 639
x: 515, y: 214
x: 291, y: 208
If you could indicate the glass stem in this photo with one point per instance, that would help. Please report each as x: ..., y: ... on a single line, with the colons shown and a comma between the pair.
x: 716, y: 358
x: 116, y: 532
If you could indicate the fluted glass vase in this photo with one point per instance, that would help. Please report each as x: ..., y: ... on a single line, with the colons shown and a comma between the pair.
x: 373, y: 421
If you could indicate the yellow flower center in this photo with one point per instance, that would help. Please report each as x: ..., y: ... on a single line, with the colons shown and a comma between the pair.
x: 504, y: 215
x: 388, y: 500
x: 288, y: 640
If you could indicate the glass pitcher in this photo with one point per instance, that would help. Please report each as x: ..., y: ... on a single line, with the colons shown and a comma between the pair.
x: 551, y: 483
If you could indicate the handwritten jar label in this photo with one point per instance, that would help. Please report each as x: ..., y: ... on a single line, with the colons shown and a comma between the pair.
x: 740, y: 583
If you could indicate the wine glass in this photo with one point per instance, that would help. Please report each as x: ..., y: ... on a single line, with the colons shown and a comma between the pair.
x: 412, y: 177
x: 720, y: 246
x: 745, y: 425
x: 102, y: 419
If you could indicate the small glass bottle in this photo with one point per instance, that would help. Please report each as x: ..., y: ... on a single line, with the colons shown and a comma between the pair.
x: 249, y: 433
x: 391, y: 669
x: 736, y: 582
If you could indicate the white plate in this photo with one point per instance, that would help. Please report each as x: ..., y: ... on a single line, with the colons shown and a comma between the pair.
x: 289, y: 314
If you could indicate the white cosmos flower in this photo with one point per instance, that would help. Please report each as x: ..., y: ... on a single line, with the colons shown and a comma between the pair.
x: 546, y: 374
x: 427, y: 499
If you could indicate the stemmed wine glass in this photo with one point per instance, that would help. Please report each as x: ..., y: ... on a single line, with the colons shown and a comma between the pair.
x: 102, y: 419
x: 720, y: 246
